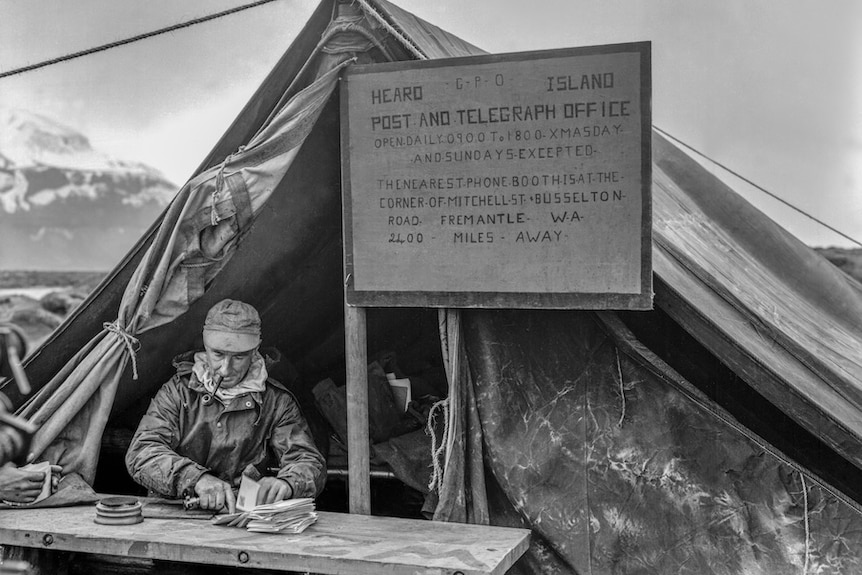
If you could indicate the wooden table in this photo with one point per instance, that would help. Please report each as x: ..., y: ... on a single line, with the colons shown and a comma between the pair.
x: 338, y: 543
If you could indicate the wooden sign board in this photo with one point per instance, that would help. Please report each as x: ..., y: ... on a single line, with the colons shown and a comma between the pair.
x: 518, y: 180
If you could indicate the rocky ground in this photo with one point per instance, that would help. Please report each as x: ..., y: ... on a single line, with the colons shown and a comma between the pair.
x: 37, y: 318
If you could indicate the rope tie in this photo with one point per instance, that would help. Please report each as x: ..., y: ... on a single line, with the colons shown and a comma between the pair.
x: 805, y: 518
x: 622, y: 390
x: 131, y: 342
x: 214, y: 217
x: 219, y: 186
x: 437, y: 450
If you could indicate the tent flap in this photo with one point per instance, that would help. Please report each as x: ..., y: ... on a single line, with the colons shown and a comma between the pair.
x: 618, y: 466
x: 196, y: 239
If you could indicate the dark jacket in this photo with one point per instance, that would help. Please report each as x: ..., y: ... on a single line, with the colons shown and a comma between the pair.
x: 186, y: 432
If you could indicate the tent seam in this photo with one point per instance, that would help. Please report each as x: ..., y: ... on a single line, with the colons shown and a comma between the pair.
x: 778, y: 335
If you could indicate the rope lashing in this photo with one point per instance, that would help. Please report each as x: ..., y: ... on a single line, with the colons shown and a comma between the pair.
x: 437, y: 450
x: 131, y: 342
x: 352, y: 27
x: 219, y: 186
x: 214, y: 217
x: 132, y: 39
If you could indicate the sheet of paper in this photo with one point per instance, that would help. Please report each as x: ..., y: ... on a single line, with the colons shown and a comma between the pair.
x: 41, y: 467
x: 402, y: 391
x: 246, y: 499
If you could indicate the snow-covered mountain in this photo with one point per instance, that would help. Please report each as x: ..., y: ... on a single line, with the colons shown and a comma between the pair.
x: 64, y: 205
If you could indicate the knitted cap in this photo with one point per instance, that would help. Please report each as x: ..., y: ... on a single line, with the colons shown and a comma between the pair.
x: 232, y: 325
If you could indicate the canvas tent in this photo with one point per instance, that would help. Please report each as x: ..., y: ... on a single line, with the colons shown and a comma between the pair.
x: 718, y: 433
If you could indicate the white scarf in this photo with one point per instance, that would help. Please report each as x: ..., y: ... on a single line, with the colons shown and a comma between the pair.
x: 254, y: 380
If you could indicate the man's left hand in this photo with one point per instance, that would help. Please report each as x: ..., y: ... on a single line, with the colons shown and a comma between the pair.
x: 19, y: 485
x: 273, y: 489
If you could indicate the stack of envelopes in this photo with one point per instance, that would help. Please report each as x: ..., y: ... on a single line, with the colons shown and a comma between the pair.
x: 288, y: 516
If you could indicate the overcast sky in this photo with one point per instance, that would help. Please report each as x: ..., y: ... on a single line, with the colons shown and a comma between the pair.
x: 771, y: 88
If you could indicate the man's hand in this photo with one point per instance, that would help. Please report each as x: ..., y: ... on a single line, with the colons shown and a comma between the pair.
x: 20, y: 486
x: 273, y: 489
x: 215, y: 493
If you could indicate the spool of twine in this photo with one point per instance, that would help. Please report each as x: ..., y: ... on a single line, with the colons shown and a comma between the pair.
x: 120, y: 510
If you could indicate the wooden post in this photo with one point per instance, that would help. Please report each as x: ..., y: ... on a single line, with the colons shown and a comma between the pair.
x: 356, y: 357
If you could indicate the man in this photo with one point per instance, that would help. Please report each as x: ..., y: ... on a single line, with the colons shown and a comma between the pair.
x: 17, y: 485
x: 22, y: 486
x: 220, y: 417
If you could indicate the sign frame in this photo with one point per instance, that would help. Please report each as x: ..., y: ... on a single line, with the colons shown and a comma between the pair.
x: 507, y: 299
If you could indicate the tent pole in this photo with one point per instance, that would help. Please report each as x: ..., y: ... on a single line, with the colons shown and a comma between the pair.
x: 356, y: 355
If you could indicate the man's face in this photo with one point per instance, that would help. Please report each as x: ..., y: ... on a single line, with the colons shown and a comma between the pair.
x: 231, y: 365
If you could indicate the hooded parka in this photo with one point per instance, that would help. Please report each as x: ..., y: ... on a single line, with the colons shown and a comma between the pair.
x: 188, y: 432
